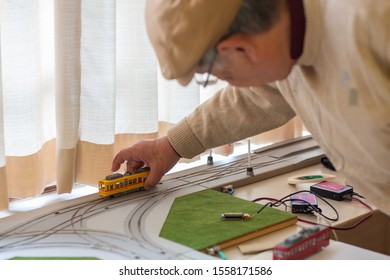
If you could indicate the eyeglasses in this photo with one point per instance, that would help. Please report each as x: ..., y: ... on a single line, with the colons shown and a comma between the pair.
x: 207, y: 79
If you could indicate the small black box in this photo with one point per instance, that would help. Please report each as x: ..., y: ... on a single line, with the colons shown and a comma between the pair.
x: 332, y: 190
x: 303, y: 203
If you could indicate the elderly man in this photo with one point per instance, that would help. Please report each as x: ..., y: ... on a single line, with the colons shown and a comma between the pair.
x: 327, y: 61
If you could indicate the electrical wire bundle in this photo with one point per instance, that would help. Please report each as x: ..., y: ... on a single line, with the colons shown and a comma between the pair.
x: 314, y: 208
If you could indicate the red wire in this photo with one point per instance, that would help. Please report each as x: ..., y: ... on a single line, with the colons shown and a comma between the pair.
x: 354, y: 225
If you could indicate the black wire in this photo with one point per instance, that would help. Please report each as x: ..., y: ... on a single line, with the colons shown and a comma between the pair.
x: 270, y: 204
x: 284, y: 200
x: 354, y: 225
x: 314, y: 208
x: 354, y: 193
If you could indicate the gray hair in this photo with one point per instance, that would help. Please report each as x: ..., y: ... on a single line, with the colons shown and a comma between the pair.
x: 254, y: 16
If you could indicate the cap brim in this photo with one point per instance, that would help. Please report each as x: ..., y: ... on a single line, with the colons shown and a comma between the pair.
x: 182, y: 31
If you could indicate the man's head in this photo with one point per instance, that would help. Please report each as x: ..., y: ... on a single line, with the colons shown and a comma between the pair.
x: 240, y: 41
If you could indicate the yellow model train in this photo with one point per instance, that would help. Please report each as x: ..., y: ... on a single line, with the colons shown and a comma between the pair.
x: 118, y: 184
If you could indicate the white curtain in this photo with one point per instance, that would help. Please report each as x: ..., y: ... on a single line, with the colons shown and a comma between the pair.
x: 79, y: 82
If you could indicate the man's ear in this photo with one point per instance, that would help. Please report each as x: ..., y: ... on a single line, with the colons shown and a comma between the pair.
x: 240, y: 44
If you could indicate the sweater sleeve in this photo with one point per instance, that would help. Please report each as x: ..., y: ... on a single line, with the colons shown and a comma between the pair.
x: 232, y: 114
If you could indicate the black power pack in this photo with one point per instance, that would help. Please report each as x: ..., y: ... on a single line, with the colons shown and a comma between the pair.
x: 304, y: 203
x: 332, y: 190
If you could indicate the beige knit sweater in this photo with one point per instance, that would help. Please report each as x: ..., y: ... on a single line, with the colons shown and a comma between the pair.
x: 340, y: 88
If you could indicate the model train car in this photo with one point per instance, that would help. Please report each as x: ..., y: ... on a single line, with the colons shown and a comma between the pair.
x: 118, y: 184
x: 302, y: 244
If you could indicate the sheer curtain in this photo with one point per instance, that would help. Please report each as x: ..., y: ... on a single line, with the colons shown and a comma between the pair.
x: 79, y: 82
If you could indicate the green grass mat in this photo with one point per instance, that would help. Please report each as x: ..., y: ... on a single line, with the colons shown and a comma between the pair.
x: 194, y: 220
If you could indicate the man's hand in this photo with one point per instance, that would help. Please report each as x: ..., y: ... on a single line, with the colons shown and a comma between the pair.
x: 157, y: 154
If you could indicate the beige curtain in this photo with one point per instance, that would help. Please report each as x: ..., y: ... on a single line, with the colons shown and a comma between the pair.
x: 79, y: 83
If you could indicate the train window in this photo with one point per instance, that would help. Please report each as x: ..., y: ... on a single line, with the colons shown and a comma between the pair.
x: 139, y: 179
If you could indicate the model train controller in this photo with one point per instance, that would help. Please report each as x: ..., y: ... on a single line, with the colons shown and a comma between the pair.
x: 304, y: 203
x: 332, y: 190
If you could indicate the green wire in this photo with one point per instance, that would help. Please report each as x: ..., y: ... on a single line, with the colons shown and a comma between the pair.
x: 222, y: 255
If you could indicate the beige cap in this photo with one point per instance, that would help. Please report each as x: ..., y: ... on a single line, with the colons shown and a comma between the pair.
x: 182, y: 31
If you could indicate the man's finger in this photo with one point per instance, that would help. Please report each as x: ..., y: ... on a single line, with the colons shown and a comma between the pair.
x: 153, y: 179
x: 117, y: 162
